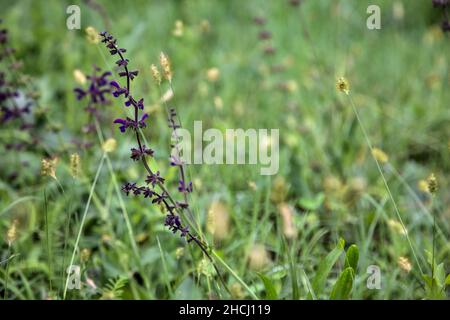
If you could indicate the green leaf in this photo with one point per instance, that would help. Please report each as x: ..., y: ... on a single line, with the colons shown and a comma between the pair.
x: 312, y: 203
x: 343, y: 286
x: 352, y: 257
x: 271, y: 292
x: 447, y: 280
x: 432, y: 289
x: 440, y: 275
x: 325, y: 267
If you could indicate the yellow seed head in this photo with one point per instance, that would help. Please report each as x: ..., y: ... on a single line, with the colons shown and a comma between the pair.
x: 279, y: 190
x: 422, y: 185
x: 11, y: 234
x: 258, y: 257
x: 287, y: 215
x: 218, y: 103
x: 109, y: 145
x: 218, y: 221
x: 396, y: 227
x: 92, y: 35
x: 79, y: 76
x: 343, y: 85
x: 213, y: 74
x: 85, y: 254
x: 237, y: 291
x: 205, y: 268
x: 179, y: 252
x: 380, y: 155
x: 48, y: 167
x: 74, y: 165
x: 165, y: 65
x: 205, y: 26
x: 156, y: 74
x: 432, y: 184
x: 291, y: 86
x: 404, y: 264
x: 178, y: 30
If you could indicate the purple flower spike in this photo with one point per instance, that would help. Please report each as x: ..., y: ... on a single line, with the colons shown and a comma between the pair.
x: 154, y: 179
x: 124, y: 124
x: 142, y: 123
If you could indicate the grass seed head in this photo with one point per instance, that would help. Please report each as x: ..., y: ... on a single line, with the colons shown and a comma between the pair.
x: 404, y: 264
x: 92, y: 35
x: 74, y: 165
x: 213, y: 74
x: 165, y: 65
x: 258, y: 257
x: 79, y: 76
x: 48, y: 167
x: 432, y: 184
x: 109, y: 145
x: 218, y: 221
x: 11, y: 234
x: 156, y: 74
x: 380, y: 155
x: 343, y: 85
x: 179, y: 29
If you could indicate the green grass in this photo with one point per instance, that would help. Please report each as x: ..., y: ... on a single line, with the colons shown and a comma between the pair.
x: 399, y: 78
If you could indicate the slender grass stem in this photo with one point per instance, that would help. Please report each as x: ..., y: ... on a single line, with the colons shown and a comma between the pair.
x: 7, y: 273
x: 369, y: 144
x: 83, y: 219
x: 47, y: 231
x: 250, y: 291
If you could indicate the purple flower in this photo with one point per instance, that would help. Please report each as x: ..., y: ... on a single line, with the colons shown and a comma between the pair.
x: 125, y: 123
x: 154, y: 179
x: 80, y: 93
x: 137, y: 104
x: 140, y: 152
x: 135, y: 154
x: 128, y: 187
x: 159, y: 198
x: 118, y: 89
x: 138, y: 190
x: 440, y: 3
x: 183, y: 188
x: 121, y: 62
x: 148, y: 193
x: 129, y: 74
x: 175, y: 161
x: 142, y: 123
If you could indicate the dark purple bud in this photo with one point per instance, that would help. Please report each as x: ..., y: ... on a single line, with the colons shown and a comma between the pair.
x: 154, y: 179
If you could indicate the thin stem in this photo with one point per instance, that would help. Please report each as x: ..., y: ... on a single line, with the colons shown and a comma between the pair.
x: 369, y: 144
x: 88, y: 203
x: 48, y: 241
x: 7, y: 273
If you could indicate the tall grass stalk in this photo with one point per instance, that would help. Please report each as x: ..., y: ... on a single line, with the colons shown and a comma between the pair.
x: 77, y: 241
x: 47, y: 232
x: 369, y: 144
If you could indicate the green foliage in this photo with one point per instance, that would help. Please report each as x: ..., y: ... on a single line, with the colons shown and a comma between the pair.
x: 271, y: 291
x: 351, y: 257
x: 343, y: 286
x: 114, y: 289
x: 320, y: 278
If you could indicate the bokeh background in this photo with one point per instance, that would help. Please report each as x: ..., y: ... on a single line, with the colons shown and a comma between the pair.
x: 237, y: 64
